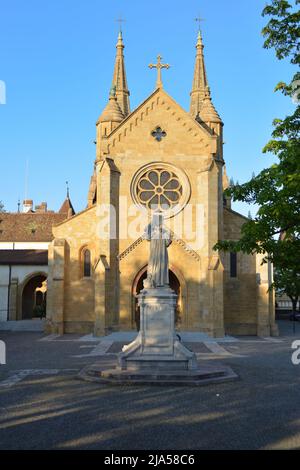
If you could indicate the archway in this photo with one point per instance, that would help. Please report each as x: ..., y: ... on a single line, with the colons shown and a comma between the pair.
x: 34, y: 297
x: 138, y: 286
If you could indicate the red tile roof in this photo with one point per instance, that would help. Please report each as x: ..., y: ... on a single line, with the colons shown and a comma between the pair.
x: 29, y: 227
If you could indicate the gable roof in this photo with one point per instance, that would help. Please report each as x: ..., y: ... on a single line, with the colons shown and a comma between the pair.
x: 66, y: 220
x: 161, y: 91
x: 235, y: 213
x: 158, y: 97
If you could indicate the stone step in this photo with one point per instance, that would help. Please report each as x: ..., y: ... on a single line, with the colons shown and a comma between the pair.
x: 204, y: 375
x: 23, y: 325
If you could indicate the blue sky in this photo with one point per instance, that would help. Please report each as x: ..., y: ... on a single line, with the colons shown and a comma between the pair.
x: 56, y: 59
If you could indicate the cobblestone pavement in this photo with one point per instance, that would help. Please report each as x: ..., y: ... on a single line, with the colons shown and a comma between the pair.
x: 43, y: 405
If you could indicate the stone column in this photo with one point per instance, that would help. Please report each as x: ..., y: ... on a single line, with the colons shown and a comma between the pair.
x: 108, y: 177
x: 210, y: 194
x: 266, y: 325
x: 215, y: 277
x: 13, y: 298
x: 55, y: 298
x: 101, y: 320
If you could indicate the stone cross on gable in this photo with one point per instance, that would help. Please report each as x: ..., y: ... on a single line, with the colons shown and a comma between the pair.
x: 159, y: 66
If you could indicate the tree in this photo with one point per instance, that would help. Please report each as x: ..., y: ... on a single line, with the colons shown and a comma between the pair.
x: 287, y: 281
x: 2, y: 207
x: 276, y: 190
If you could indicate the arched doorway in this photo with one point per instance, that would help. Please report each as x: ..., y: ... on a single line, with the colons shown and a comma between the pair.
x: 138, y: 286
x: 34, y: 297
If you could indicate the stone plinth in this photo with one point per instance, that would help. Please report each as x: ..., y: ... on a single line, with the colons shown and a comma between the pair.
x: 157, y: 356
x: 206, y: 374
x: 157, y: 347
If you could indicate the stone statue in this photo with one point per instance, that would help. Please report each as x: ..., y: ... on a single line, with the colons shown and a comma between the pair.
x: 157, y: 348
x: 158, y: 266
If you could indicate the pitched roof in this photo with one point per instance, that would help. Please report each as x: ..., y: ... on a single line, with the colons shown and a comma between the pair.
x: 160, y: 92
x: 228, y: 209
x: 28, y: 257
x: 66, y: 207
x: 28, y: 227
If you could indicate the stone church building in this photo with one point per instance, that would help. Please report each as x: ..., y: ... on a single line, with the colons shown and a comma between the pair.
x: 157, y: 155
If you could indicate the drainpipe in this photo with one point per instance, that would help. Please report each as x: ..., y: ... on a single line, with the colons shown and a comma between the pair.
x: 9, y: 286
x: 8, y: 291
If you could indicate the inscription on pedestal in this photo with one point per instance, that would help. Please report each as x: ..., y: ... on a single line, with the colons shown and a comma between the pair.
x: 157, y: 328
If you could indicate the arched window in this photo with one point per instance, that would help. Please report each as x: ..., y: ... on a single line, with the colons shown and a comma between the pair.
x: 233, y: 265
x: 87, y: 263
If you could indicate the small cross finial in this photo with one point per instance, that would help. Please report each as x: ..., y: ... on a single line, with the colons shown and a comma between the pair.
x: 159, y: 66
x: 198, y: 20
x: 120, y: 21
x: 68, y: 191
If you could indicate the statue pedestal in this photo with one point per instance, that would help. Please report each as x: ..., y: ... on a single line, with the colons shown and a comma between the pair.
x: 157, y: 356
x: 157, y: 347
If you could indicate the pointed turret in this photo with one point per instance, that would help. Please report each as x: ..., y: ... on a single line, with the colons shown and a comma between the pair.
x: 208, y: 113
x: 202, y: 107
x: 119, y: 78
x: 110, y: 118
x: 112, y: 111
x: 67, y: 207
x: 200, y: 79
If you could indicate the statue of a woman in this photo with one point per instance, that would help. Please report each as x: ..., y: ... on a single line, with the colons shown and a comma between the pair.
x: 158, y: 266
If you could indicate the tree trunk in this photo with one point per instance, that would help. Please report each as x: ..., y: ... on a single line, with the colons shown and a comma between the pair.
x: 294, y: 304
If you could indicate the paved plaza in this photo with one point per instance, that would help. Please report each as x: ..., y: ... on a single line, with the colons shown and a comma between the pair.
x: 43, y: 404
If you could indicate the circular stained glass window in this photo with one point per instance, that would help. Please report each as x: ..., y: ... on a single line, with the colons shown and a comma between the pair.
x: 160, y: 188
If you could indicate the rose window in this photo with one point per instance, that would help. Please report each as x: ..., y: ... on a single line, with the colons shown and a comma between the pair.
x: 160, y: 186
x: 159, y: 189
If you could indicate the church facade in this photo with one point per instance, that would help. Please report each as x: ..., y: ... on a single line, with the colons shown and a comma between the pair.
x: 157, y: 156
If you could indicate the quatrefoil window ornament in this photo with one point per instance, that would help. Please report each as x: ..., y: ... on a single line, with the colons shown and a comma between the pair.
x: 158, y: 134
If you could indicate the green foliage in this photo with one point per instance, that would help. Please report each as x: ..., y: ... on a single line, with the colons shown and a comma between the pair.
x: 287, y: 281
x: 276, y: 190
x: 2, y: 207
x: 283, y: 31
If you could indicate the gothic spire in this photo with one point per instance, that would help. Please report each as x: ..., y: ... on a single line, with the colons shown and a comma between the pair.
x: 202, y: 107
x: 119, y: 78
x: 200, y: 79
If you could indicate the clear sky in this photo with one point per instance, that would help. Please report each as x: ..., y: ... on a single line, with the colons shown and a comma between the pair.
x: 57, y: 57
